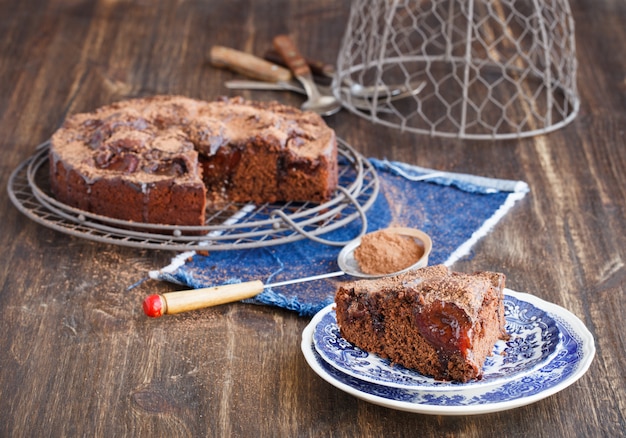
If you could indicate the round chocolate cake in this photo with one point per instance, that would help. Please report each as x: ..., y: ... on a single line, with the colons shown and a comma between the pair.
x: 158, y: 159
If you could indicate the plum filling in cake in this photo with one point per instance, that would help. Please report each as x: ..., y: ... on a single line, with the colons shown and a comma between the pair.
x: 446, y: 327
x: 220, y: 167
x: 443, y: 324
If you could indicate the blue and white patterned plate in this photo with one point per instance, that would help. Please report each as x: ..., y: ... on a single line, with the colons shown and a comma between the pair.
x: 534, y: 340
x: 572, y: 358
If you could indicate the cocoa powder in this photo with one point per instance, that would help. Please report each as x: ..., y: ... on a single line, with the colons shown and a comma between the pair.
x: 385, y: 252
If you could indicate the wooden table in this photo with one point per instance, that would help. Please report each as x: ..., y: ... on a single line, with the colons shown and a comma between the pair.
x: 78, y: 356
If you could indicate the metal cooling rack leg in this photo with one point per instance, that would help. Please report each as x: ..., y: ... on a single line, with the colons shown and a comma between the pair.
x: 312, y: 236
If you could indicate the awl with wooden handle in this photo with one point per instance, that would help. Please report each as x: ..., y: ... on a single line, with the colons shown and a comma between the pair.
x: 247, y: 64
x: 171, y: 303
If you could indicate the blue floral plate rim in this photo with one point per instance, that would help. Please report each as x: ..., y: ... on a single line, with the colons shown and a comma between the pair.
x: 574, y: 355
x: 533, y: 342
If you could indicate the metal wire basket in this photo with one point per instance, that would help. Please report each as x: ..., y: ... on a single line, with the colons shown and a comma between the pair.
x: 231, y: 226
x: 490, y: 69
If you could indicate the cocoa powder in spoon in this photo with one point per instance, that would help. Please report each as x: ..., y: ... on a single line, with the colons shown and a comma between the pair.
x: 385, y: 252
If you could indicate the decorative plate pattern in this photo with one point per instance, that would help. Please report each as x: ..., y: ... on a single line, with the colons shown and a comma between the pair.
x: 572, y: 358
x: 534, y: 340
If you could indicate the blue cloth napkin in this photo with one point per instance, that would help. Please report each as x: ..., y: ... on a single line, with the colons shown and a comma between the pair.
x: 456, y: 210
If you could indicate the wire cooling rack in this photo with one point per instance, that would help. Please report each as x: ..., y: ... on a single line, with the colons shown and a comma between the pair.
x: 231, y: 226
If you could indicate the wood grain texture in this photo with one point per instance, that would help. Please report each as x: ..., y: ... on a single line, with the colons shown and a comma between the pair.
x: 79, y: 358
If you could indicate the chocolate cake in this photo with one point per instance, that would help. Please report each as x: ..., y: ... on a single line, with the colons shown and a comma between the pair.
x: 158, y: 159
x: 443, y: 324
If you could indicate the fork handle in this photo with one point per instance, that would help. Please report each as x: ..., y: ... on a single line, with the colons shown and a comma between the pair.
x: 321, y: 70
x: 285, y: 46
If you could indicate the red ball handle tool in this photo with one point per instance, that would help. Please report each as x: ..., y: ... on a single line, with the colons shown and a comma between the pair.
x: 177, y: 302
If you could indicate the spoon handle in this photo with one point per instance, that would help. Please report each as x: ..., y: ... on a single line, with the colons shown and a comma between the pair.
x: 241, y: 84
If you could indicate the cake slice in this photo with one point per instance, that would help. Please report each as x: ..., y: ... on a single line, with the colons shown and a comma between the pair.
x: 443, y: 324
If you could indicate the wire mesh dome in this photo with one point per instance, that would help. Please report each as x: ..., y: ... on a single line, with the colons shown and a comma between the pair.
x: 460, y: 68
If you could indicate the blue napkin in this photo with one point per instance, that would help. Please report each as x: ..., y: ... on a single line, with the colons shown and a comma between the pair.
x: 456, y: 210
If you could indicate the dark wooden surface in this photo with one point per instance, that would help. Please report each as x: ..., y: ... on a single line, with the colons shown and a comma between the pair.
x: 79, y: 358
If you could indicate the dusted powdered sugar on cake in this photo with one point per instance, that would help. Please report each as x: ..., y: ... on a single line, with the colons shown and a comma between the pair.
x: 443, y: 324
x: 155, y: 159
x: 236, y: 121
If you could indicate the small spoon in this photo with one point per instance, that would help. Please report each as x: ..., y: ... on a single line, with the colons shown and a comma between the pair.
x: 322, y: 104
x: 169, y: 303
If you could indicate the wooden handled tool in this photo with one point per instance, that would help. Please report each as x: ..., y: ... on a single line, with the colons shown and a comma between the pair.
x: 323, y: 104
x: 247, y: 64
x: 184, y: 301
x: 177, y: 302
x: 292, y: 57
x: 322, y: 71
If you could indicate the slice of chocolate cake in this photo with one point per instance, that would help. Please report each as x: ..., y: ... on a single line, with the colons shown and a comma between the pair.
x: 443, y: 324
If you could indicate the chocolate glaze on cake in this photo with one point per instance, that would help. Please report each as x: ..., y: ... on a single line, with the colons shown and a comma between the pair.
x: 156, y: 159
x: 443, y: 324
